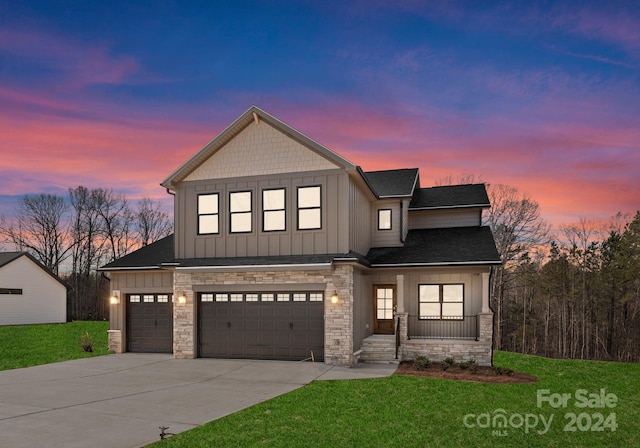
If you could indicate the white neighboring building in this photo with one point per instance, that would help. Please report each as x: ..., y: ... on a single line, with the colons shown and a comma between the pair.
x: 29, y: 292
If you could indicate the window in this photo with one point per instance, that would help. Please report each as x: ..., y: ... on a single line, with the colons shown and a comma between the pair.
x: 148, y: 298
x: 282, y: 297
x: 208, y: 214
x: 206, y: 298
x: 251, y: 297
x: 299, y: 297
x: 266, y: 297
x: 316, y: 297
x: 240, y: 212
x: 11, y: 291
x: 163, y: 298
x: 441, y: 301
x: 273, y: 210
x: 309, y: 208
x: 384, y: 219
x: 222, y: 297
x: 134, y: 298
x: 384, y: 308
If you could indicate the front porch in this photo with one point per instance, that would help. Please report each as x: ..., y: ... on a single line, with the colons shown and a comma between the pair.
x: 462, y: 340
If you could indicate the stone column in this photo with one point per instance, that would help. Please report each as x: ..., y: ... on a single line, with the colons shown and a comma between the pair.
x: 338, y: 322
x: 115, y: 340
x: 485, y: 293
x: 184, y: 338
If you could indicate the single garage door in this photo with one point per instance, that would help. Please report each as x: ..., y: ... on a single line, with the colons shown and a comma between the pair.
x: 254, y: 325
x: 149, y: 323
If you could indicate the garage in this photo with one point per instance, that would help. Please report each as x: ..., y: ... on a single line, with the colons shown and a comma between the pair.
x: 149, y: 323
x: 261, y: 325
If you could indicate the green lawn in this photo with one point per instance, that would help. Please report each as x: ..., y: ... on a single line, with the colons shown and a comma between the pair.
x: 31, y: 345
x: 417, y: 412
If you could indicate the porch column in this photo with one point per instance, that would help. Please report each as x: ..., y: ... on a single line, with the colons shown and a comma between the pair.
x: 485, y: 293
x: 404, y: 329
x: 400, y: 293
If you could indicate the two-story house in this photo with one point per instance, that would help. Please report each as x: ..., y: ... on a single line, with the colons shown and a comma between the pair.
x: 283, y: 249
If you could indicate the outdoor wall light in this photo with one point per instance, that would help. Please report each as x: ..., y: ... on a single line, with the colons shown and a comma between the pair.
x: 182, y: 297
x: 115, y: 298
x: 334, y: 297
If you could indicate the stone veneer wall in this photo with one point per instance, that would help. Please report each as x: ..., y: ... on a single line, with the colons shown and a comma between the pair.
x: 338, y: 337
x: 460, y: 350
x: 115, y: 340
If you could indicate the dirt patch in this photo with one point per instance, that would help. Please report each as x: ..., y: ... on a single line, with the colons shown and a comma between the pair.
x: 482, y: 374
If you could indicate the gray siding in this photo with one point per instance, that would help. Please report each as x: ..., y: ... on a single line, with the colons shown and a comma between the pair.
x: 470, y: 277
x: 431, y: 219
x: 360, y: 216
x: 363, y: 311
x: 333, y: 237
x: 136, y: 282
x: 387, y: 238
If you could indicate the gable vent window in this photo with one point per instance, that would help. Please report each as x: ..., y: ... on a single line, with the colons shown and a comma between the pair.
x: 11, y: 291
x: 240, y: 212
x: 208, y: 214
x: 384, y: 219
x: 273, y: 210
x: 309, y: 208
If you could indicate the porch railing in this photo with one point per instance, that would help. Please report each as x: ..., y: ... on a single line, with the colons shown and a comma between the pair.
x: 445, y: 327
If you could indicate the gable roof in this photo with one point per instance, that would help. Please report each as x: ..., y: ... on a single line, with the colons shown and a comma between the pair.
x: 252, y: 114
x: 450, y: 196
x: 439, y: 247
x: 8, y: 257
x: 147, y: 257
x: 393, y: 183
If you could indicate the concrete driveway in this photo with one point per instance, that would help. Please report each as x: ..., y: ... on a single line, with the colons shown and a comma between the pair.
x: 120, y: 401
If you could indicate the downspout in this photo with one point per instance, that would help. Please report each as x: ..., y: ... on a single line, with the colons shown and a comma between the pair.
x: 170, y: 192
x: 401, y: 223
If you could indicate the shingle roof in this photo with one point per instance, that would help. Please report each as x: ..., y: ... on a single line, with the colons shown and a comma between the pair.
x: 8, y: 257
x: 150, y: 256
x: 446, y: 246
x: 258, y: 261
x: 392, y: 183
x: 452, y: 196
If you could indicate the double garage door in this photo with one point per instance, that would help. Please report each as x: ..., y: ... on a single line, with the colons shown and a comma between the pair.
x: 261, y: 325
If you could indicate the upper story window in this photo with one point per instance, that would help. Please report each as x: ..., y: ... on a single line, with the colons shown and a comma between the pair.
x: 208, y: 214
x: 240, y: 212
x: 441, y: 301
x: 309, y: 208
x: 273, y: 210
x: 384, y: 219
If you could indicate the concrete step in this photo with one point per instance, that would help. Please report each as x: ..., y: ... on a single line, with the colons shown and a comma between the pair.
x: 378, y: 348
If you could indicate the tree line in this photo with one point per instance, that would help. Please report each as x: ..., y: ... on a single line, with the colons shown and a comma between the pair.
x: 75, y: 234
x: 569, y: 293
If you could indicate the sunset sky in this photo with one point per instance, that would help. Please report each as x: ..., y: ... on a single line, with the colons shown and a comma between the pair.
x: 542, y: 96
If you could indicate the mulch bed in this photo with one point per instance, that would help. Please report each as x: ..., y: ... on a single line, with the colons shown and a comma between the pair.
x: 483, y: 374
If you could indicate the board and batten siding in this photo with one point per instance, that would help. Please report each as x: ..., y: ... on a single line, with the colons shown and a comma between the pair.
x: 332, y: 238
x: 360, y: 217
x: 433, y: 219
x: 392, y: 237
x: 43, y: 298
x: 138, y: 282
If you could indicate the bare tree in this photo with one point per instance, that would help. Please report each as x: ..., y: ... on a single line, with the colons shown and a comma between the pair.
x: 39, y: 228
x: 116, y: 222
x: 519, y: 231
x: 151, y: 222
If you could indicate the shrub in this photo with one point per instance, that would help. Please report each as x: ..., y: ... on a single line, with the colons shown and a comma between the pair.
x: 86, y: 342
x: 421, y: 363
x: 449, y: 362
x: 471, y: 364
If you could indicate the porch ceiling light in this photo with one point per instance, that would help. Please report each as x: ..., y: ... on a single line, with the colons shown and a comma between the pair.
x: 334, y: 297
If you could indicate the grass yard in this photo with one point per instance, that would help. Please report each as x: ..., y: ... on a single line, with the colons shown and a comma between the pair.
x: 420, y: 412
x: 31, y: 345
